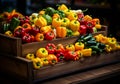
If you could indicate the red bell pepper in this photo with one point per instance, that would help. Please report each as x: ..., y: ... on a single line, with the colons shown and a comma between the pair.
x: 34, y: 30
x: 81, y: 19
x: 71, y: 55
x: 89, y: 25
x: 19, y: 32
x: 50, y: 47
x: 49, y: 35
x: 26, y: 38
x: 82, y: 29
x: 60, y: 56
x: 59, y: 48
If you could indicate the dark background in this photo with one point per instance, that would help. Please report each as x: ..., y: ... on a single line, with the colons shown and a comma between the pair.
x: 107, y: 10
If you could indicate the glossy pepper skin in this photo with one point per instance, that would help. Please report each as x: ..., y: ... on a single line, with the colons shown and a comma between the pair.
x: 27, y: 27
x: 70, y: 47
x: 56, y: 22
x: 89, y: 25
x: 60, y: 56
x: 49, y: 35
x: 40, y: 22
x: 87, y: 52
x: 79, y: 46
x: 74, y: 25
x: 65, y: 22
x: 19, y: 32
x: 60, y: 48
x: 61, y: 32
x: 9, y: 33
x: 41, y: 52
x: 108, y: 48
x: 30, y: 56
x: 62, y: 7
x: 71, y: 55
x: 26, y: 38
x: 45, y: 61
x: 52, y: 59
x: 37, y: 63
x: 72, y: 16
x: 45, y: 29
x: 82, y: 30
x: 39, y: 37
x: 51, y: 48
x: 34, y: 30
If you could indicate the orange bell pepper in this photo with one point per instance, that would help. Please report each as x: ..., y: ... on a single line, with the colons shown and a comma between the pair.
x: 61, y: 32
x: 39, y: 37
x: 52, y: 59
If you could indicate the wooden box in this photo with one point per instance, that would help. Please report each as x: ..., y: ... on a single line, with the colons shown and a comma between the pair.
x: 13, y: 46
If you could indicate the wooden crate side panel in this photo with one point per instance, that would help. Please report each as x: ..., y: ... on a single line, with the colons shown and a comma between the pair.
x: 18, y: 67
x: 10, y: 45
x: 69, y: 67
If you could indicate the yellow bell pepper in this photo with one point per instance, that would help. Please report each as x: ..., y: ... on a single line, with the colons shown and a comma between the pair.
x: 79, y: 46
x: 98, y: 26
x: 45, y: 29
x: 79, y: 53
x: 108, y: 48
x: 30, y: 56
x: 37, y: 63
x: 67, y: 12
x: 87, y: 52
x: 41, y: 22
x: 45, y: 61
x: 70, y: 47
x: 76, y: 33
x: 9, y: 33
x: 62, y: 7
x: 41, y: 52
x: 61, y: 32
x: 56, y: 22
x: 74, y: 25
x: 65, y: 22
x: 72, y: 16
x: 42, y: 12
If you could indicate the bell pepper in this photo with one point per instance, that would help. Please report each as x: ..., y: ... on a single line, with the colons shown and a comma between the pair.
x: 65, y: 22
x: 72, y: 16
x: 112, y: 41
x: 81, y: 18
x: 79, y: 53
x: 71, y: 55
x: 61, y: 32
x: 14, y: 23
x: 50, y: 11
x: 51, y: 48
x: 19, y: 32
x: 49, y: 35
x: 69, y: 32
x: 67, y: 12
x: 87, y: 18
x: 27, y: 27
x: 45, y: 61
x: 62, y: 7
x: 33, y: 17
x: 32, y: 38
x: 42, y: 52
x: 56, y: 15
x: 79, y: 46
x: 74, y: 25
x: 98, y: 26
x: 37, y: 63
x: 42, y: 12
x: 59, y: 48
x: 9, y: 33
x: 89, y: 25
x: 61, y: 13
x: 45, y: 29
x: 76, y: 33
x: 108, y: 48
x: 34, y: 30
x: 26, y: 38
x: 87, y: 52
x: 82, y: 30
x: 40, y: 22
x: 96, y: 21
x: 52, y: 59
x: 39, y: 37
x: 56, y: 22
x: 60, y: 56
x: 48, y: 18
x: 5, y: 27
x: 70, y: 47
x: 30, y: 56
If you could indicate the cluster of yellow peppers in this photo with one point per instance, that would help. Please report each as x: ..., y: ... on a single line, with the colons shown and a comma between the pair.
x: 110, y: 42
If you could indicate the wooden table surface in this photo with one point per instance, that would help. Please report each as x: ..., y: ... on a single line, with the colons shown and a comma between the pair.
x: 111, y: 73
